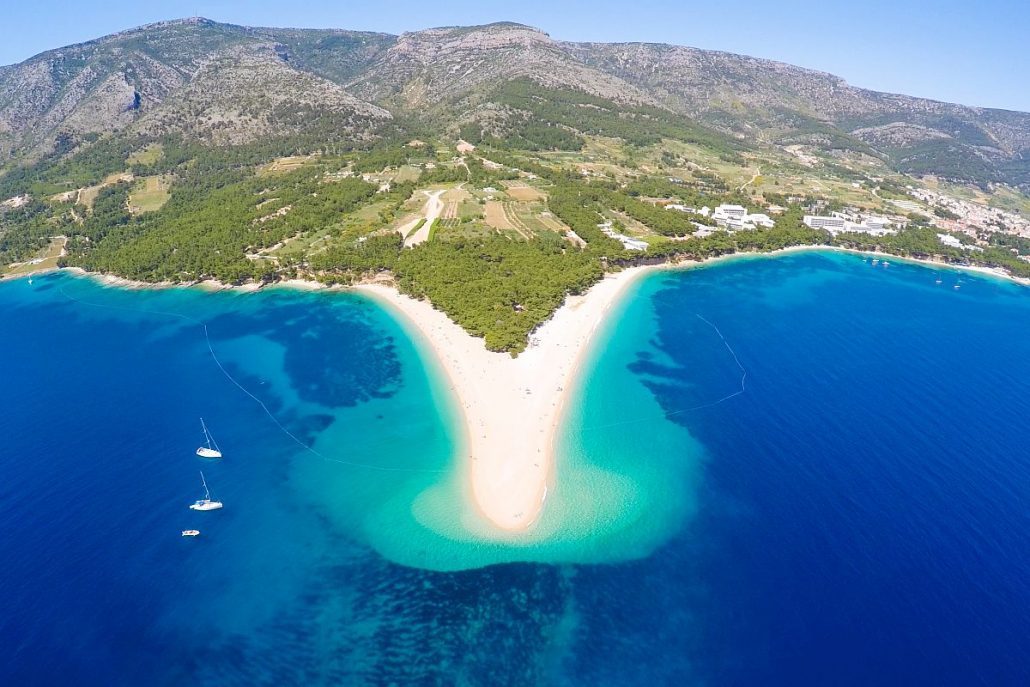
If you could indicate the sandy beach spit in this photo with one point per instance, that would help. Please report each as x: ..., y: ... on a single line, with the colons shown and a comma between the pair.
x: 512, y: 406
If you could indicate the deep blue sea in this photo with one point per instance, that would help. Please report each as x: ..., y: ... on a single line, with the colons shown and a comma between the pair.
x: 830, y: 461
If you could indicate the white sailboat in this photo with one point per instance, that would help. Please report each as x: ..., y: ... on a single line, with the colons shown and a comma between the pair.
x: 210, y: 449
x: 205, y: 503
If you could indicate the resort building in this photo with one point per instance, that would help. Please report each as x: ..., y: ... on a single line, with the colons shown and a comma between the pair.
x: 728, y: 213
x: 875, y: 223
x: 953, y: 242
x: 736, y: 218
x: 729, y: 217
x: 840, y: 222
x: 823, y: 222
x: 759, y: 219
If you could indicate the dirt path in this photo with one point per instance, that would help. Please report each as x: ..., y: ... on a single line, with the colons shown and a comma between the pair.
x: 432, y: 210
x: 751, y: 180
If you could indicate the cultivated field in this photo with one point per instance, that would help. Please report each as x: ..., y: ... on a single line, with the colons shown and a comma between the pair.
x: 149, y: 194
x: 286, y: 164
x: 497, y: 217
x: 523, y: 192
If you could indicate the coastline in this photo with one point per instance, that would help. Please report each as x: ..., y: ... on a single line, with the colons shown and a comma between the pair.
x: 213, y: 285
x: 512, y: 407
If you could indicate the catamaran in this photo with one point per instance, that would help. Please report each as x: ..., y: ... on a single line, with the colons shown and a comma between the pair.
x: 205, y: 503
x: 210, y: 449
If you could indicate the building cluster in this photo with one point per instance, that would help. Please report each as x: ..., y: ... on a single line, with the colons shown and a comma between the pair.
x: 729, y: 217
x: 628, y: 242
x: 736, y: 217
x: 953, y: 242
x: 840, y: 222
x: 973, y: 219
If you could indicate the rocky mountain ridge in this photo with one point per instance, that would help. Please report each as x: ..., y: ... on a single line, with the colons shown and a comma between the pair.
x: 225, y: 84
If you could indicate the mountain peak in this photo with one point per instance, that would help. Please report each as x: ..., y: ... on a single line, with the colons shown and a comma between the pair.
x: 487, y: 36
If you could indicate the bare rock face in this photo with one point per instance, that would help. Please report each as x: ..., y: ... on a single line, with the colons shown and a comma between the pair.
x: 703, y: 81
x: 226, y: 84
x: 898, y: 134
x: 742, y: 94
x: 249, y: 92
x: 193, y: 76
x: 426, y: 68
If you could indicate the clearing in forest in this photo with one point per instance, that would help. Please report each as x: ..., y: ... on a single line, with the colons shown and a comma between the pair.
x: 286, y: 164
x: 86, y: 196
x: 147, y: 155
x: 149, y: 194
x: 46, y: 260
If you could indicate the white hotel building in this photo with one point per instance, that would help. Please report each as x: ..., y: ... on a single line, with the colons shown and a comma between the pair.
x: 839, y: 222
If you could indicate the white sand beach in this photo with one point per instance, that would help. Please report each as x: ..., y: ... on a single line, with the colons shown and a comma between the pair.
x: 512, y: 406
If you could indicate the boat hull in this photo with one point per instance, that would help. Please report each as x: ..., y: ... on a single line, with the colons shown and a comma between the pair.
x: 208, y: 453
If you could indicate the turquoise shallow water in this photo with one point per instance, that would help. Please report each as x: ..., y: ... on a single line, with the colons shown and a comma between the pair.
x: 856, y: 516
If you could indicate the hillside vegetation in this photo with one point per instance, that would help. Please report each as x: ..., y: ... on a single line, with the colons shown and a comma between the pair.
x: 516, y: 168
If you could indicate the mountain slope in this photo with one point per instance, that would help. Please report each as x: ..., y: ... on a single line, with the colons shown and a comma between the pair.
x: 248, y: 92
x: 226, y: 84
x: 425, y: 68
x: 218, y: 80
x: 790, y: 104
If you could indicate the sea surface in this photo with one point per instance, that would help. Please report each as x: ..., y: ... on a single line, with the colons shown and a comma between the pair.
x: 801, y: 470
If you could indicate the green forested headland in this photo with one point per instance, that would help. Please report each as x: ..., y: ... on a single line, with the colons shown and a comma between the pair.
x: 251, y: 213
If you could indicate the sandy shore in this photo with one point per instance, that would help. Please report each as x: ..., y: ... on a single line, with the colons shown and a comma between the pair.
x: 512, y: 406
x: 313, y: 285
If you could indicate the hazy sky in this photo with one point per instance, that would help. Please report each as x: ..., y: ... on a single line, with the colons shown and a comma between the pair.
x: 976, y: 53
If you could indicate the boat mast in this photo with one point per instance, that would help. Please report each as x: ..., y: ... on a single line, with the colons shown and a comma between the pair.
x: 207, y: 435
x: 207, y: 492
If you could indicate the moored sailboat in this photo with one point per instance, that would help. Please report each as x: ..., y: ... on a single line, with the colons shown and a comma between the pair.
x: 206, y: 503
x: 210, y: 448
